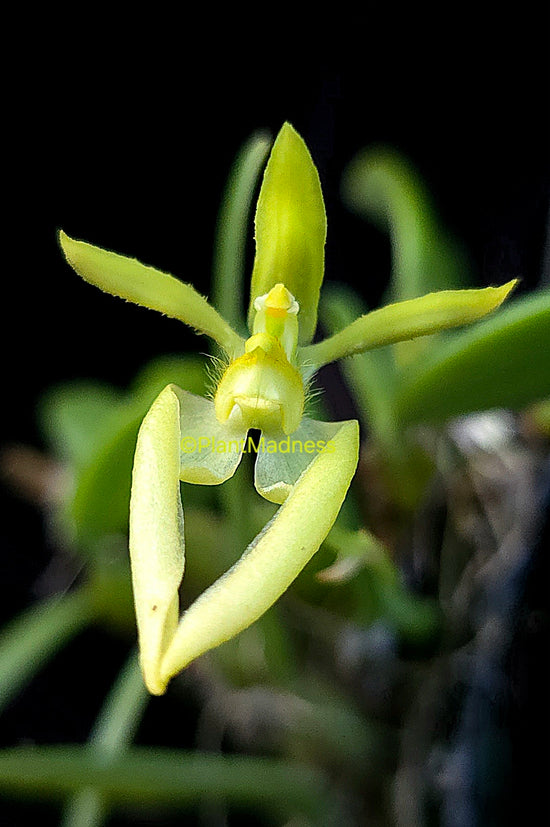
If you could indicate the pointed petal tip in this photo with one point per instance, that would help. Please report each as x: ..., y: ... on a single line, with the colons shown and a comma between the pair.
x: 288, y: 138
x: 287, y: 129
x: 63, y: 239
x: 498, y: 295
x: 507, y: 289
x: 69, y: 248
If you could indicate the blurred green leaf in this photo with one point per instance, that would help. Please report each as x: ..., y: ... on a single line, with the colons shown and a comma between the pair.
x: 74, y: 417
x: 232, y: 235
x: 174, y: 779
x: 502, y: 361
x: 385, y: 187
x: 94, y: 428
x: 183, y: 369
x: 102, y: 496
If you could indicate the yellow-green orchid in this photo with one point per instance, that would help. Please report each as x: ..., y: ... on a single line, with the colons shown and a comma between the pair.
x: 302, y: 464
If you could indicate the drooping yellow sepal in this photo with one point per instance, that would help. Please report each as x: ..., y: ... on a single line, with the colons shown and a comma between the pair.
x: 311, y: 482
x: 273, y: 560
x: 157, y: 548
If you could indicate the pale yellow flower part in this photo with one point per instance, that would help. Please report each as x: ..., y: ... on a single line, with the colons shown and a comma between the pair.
x: 264, y: 386
x: 265, y: 570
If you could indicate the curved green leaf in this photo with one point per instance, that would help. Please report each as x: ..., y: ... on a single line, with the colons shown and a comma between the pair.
x: 383, y: 185
x: 231, y: 236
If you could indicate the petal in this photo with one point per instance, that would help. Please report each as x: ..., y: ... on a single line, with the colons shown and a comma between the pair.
x: 209, y: 452
x: 138, y: 283
x: 290, y: 229
x: 157, y: 549
x: 501, y: 363
x: 273, y: 560
x: 406, y: 320
x: 282, y: 459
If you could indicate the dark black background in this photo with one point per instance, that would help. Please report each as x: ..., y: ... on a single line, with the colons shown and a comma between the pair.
x: 122, y: 133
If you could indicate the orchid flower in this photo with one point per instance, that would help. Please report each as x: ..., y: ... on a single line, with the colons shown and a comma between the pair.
x: 304, y: 465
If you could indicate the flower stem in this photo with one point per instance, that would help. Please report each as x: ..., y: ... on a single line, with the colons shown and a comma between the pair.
x: 114, y: 728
